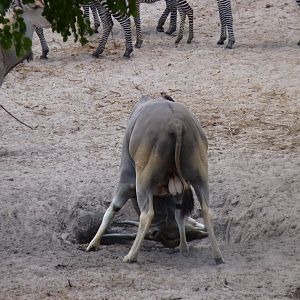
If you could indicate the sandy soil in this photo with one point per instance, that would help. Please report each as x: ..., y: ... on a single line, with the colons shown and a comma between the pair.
x: 248, y: 102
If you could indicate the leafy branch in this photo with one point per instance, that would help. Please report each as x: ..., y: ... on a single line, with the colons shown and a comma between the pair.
x: 65, y: 16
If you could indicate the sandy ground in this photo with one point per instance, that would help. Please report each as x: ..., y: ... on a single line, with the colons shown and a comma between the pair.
x: 248, y: 102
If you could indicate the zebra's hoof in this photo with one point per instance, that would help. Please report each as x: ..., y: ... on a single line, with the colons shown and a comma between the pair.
x: 159, y: 29
x: 178, y: 40
x: 298, y: 43
x: 138, y: 44
x: 219, y: 260
x: 29, y: 56
x: 220, y: 42
x: 44, y: 54
x: 171, y: 31
x: 96, y: 54
x: 190, y: 39
x: 230, y: 44
x: 127, y: 53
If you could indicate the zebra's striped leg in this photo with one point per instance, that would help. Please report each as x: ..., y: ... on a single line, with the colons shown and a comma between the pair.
x: 190, y: 14
x: 163, y: 18
x: 223, y: 35
x: 137, y: 21
x: 86, y: 12
x: 229, y: 22
x: 182, y: 14
x: 173, y: 17
x: 126, y: 24
x: 45, y: 49
x: 95, y: 17
x: 170, y: 8
x: 107, y: 22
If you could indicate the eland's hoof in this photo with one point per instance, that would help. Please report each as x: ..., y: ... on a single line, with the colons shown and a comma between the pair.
x: 129, y: 259
x: 219, y: 260
x: 185, y: 252
x: 91, y: 247
x: 184, y: 249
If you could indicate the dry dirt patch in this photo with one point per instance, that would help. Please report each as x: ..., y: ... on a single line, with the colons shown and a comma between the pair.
x: 248, y: 102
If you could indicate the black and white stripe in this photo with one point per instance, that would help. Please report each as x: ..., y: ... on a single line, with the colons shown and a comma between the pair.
x: 39, y: 31
x: 86, y: 15
x: 185, y: 10
x: 225, y: 13
x: 45, y: 49
x: 171, y: 7
x: 105, y: 15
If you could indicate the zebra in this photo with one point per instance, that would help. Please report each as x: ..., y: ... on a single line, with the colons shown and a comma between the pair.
x: 105, y: 16
x: 171, y: 7
x: 86, y: 15
x: 225, y: 14
x: 39, y: 31
x: 185, y: 10
x: 45, y: 49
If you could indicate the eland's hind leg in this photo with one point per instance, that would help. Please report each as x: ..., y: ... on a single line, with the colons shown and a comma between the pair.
x: 202, y: 192
x: 145, y: 201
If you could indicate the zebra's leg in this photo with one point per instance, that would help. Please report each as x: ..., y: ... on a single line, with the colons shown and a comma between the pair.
x: 229, y: 22
x: 126, y: 24
x: 173, y: 17
x: 137, y: 21
x: 86, y: 12
x: 223, y: 35
x: 182, y: 14
x: 95, y: 17
x: 45, y: 49
x: 163, y: 18
x: 107, y: 22
x: 190, y: 14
